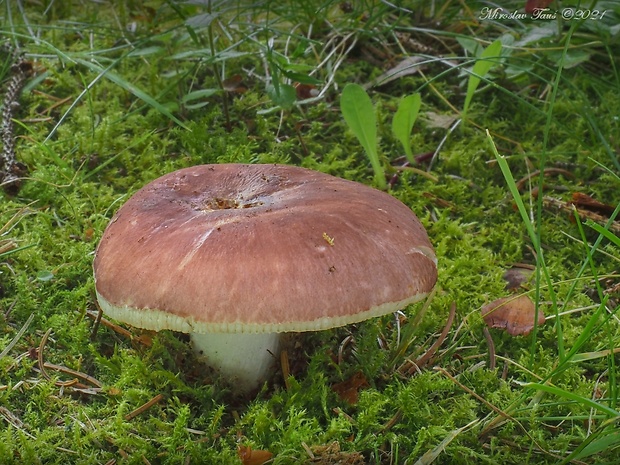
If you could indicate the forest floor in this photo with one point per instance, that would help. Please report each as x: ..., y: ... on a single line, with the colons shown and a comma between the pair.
x: 511, y: 165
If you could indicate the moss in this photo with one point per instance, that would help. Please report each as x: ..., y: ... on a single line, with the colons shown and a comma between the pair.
x: 110, y: 143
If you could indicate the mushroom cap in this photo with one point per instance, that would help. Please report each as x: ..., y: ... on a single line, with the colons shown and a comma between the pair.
x: 260, y: 249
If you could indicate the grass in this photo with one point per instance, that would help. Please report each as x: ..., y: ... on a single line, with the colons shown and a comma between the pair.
x: 123, y: 94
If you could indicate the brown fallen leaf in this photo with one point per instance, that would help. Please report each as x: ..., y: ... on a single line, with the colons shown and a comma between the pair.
x: 586, y: 202
x: 305, y: 91
x: 408, y: 66
x: 234, y: 84
x: 436, y: 120
x: 253, y: 457
x: 517, y: 275
x: 348, y: 390
x: 514, y: 314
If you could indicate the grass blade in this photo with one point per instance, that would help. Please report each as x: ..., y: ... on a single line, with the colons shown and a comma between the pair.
x: 574, y: 397
x: 17, y: 337
x: 129, y: 87
x: 534, y: 237
x: 604, y: 232
x: 431, y: 455
x: 604, y: 442
x: 514, y: 190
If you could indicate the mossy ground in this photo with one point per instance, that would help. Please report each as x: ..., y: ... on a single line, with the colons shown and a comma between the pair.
x: 111, y: 141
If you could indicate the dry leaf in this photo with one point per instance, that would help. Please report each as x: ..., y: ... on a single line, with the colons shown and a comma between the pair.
x: 586, y: 202
x: 516, y: 276
x: 435, y: 120
x: 234, y: 84
x: 305, y: 91
x: 410, y: 65
x: 253, y: 457
x: 348, y: 390
x: 514, y: 314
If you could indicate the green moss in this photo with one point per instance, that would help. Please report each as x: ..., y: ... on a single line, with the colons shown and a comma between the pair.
x: 110, y: 143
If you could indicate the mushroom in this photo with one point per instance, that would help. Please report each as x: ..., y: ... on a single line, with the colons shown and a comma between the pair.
x: 237, y: 254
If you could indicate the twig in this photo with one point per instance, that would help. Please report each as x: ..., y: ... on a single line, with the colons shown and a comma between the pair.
x: 143, y: 408
x: 108, y: 324
x: 568, y: 207
x: 286, y: 369
x: 346, y: 341
x: 441, y: 143
x: 93, y: 332
x: 415, y: 170
x: 521, y: 183
x: 14, y: 421
x: 40, y: 354
x: 7, y: 245
x: 74, y: 382
x: 491, y: 344
x: 77, y: 374
x: 392, y: 421
x: 497, y: 410
x: 426, y: 357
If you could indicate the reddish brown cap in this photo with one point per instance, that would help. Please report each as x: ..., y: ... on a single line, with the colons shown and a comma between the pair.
x: 260, y: 248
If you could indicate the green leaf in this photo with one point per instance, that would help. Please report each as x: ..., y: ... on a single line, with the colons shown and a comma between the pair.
x: 45, y: 275
x: 470, y: 45
x: 571, y: 58
x: 294, y: 67
x: 488, y: 59
x: 403, y: 121
x: 199, y: 94
x: 197, y: 98
x: 283, y: 95
x: 201, y: 20
x: 301, y: 77
x: 359, y: 114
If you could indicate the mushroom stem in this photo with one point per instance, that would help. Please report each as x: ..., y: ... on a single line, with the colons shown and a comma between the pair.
x: 244, y: 359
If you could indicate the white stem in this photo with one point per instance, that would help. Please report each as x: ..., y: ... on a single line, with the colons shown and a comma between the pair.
x: 245, y: 360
